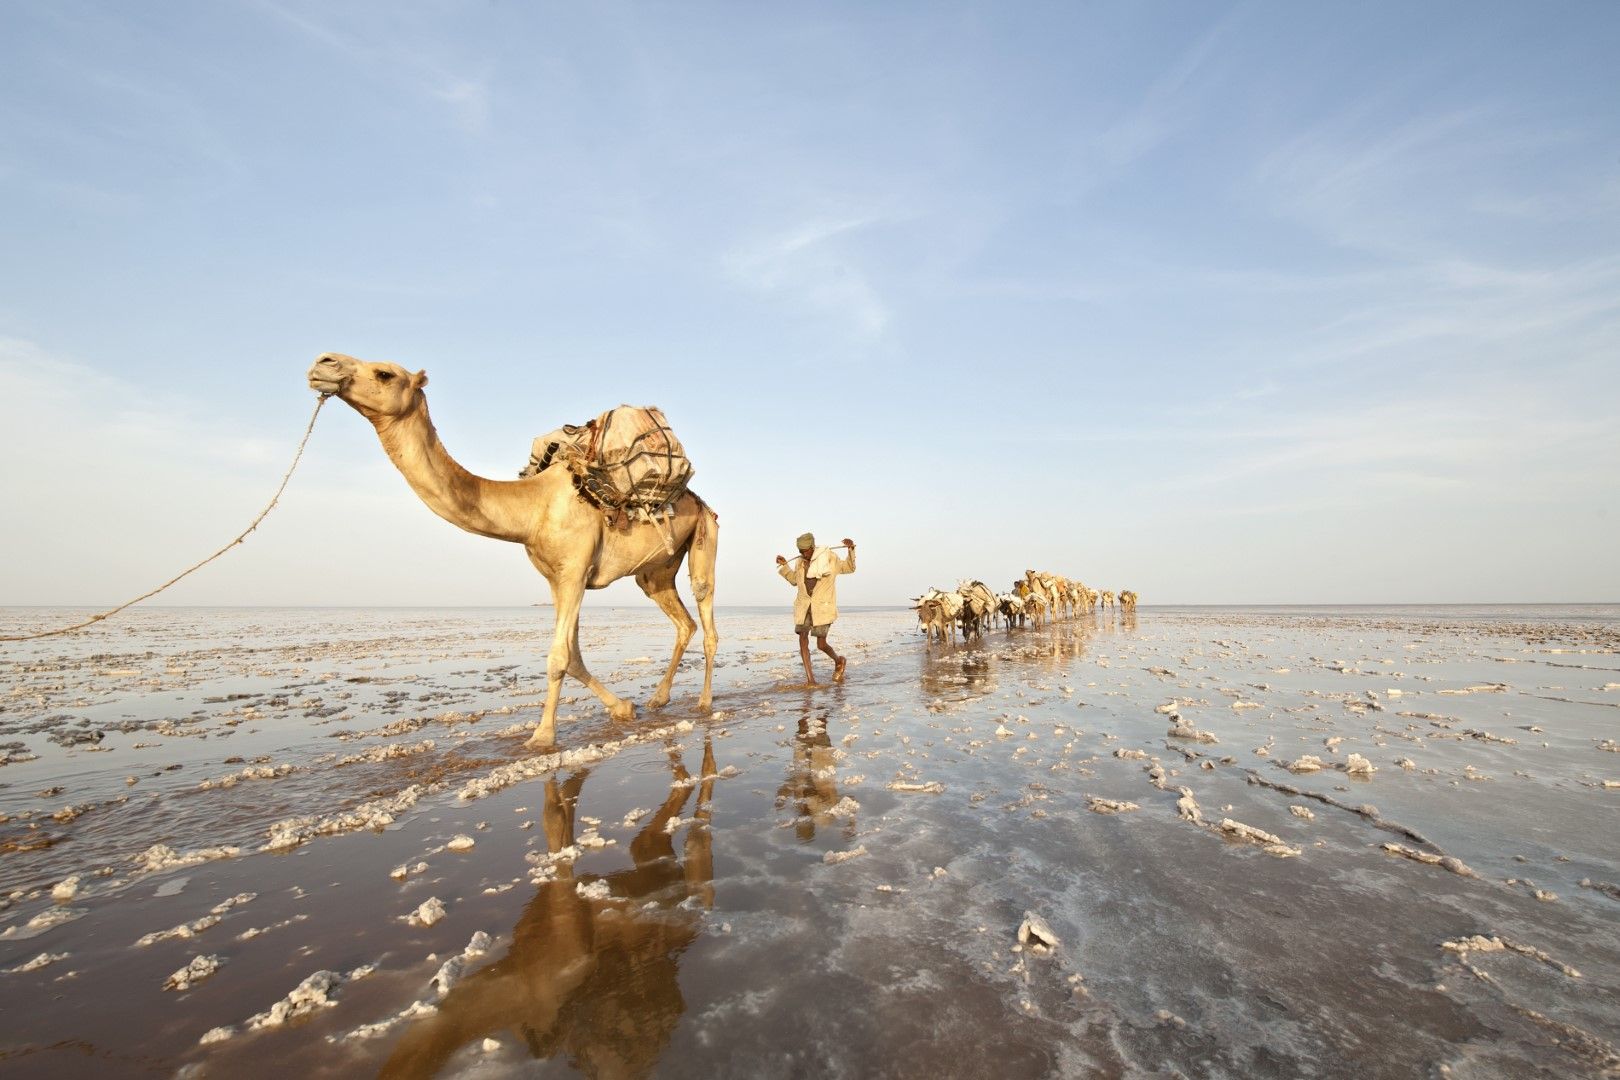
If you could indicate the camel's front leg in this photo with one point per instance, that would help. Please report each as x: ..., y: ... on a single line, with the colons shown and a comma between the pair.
x: 564, y: 659
x: 618, y: 708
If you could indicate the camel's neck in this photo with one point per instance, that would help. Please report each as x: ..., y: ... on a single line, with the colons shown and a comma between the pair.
x: 493, y: 508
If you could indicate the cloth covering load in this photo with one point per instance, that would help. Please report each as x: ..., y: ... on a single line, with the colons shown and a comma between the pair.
x: 627, y: 461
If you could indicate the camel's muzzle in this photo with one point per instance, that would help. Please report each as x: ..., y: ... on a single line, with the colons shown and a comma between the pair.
x: 330, y: 374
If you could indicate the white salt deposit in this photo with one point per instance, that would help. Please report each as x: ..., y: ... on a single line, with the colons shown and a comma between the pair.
x: 315, y: 992
x: 45, y: 920
x: 931, y: 787
x: 594, y: 890
x: 163, y: 857
x: 843, y: 856
x: 427, y: 913
x: 450, y: 972
x: 44, y: 959
x: 376, y: 814
x: 195, y: 972
x: 1356, y: 765
x: 1035, y: 935
x: 184, y: 930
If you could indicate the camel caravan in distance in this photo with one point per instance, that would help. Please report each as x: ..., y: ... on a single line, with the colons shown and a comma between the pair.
x: 971, y: 608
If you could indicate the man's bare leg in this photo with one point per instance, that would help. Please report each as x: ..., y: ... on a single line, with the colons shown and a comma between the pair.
x: 838, y: 661
x: 804, y: 654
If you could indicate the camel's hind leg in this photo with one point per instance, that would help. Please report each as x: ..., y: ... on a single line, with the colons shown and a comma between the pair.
x: 700, y: 562
x: 659, y: 585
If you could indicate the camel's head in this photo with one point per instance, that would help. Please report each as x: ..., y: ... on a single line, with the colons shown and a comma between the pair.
x: 376, y: 390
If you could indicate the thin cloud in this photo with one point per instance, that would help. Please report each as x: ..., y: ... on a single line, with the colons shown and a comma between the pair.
x: 804, y: 265
x: 467, y: 98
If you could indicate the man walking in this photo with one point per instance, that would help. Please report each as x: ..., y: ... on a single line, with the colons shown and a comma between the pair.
x: 815, y: 572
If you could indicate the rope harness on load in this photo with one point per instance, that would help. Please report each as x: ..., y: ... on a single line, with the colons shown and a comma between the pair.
x: 185, y: 573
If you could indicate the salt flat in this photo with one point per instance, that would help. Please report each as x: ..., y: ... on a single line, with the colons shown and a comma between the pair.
x: 1323, y: 842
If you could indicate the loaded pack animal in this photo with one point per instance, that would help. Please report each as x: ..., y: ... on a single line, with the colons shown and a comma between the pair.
x: 937, y: 613
x: 568, y: 539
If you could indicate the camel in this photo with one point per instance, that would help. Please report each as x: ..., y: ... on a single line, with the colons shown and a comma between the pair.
x: 1127, y: 602
x: 567, y: 539
x: 1107, y: 599
x: 978, y: 606
x: 937, y: 612
x: 1041, y: 585
x: 1034, y: 611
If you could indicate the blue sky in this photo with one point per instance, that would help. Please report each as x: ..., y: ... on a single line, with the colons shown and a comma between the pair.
x: 1266, y: 302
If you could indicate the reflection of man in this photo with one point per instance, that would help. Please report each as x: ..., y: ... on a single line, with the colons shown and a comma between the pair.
x: 815, y: 607
x: 591, y: 978
x: 811, y: 790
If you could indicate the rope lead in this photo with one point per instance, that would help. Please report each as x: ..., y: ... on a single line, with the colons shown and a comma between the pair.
x: 241, y: 537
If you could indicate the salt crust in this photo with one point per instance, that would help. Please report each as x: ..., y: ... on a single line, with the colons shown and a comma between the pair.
x: 844, y: 808
x: 440, y: 985
x: 44, y: 959
x: 1492, y: 943
x: 506, y: 775
x: 197, y: 926
x: 1183, y: 730
x: 195, y: 972
x: 427, y: 913
x: 315, y: 992
x: 252, y: 772
x: 932, y: 787
x: 1448, y: 862
x: 832, y: 857
x: 1035, y: 935
x: 1357, y: 765
x: 1273, y: 845
x: 595, y: 890
x: 386, y: 752
x: 376, y: 814
x: 45, y: 920
x: 161, y: 857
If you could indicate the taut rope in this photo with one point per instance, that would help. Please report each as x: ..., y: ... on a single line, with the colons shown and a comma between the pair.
x: 241, y: 537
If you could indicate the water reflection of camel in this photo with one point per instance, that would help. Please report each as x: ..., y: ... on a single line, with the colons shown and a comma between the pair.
x: 590, y: 978
x: 811, y: 789
x: 958, y: 675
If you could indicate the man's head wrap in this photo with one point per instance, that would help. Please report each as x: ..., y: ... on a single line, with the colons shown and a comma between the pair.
x: 806, y: 541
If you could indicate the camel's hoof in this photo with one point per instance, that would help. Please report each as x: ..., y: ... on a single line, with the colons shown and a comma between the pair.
x: 623, y: 711
x: 541, y: 740
x: 659, y: 700
x: 705, y: 704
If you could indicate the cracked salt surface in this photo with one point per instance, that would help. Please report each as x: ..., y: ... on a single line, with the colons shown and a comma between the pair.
x: 1184, y: 947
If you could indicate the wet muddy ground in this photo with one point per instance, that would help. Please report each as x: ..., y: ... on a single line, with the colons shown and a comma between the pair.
x: 1238, y: 843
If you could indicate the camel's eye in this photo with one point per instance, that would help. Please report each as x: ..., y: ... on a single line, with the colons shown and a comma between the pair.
x: 385, y: 376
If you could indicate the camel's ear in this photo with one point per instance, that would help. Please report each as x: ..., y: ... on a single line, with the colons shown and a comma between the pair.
x: 419, y: 380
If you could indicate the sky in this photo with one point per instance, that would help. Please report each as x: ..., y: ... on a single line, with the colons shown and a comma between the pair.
x: 1222, y: 303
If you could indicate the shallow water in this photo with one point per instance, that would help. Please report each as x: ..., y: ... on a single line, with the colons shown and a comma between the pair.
x: 817, y: 883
